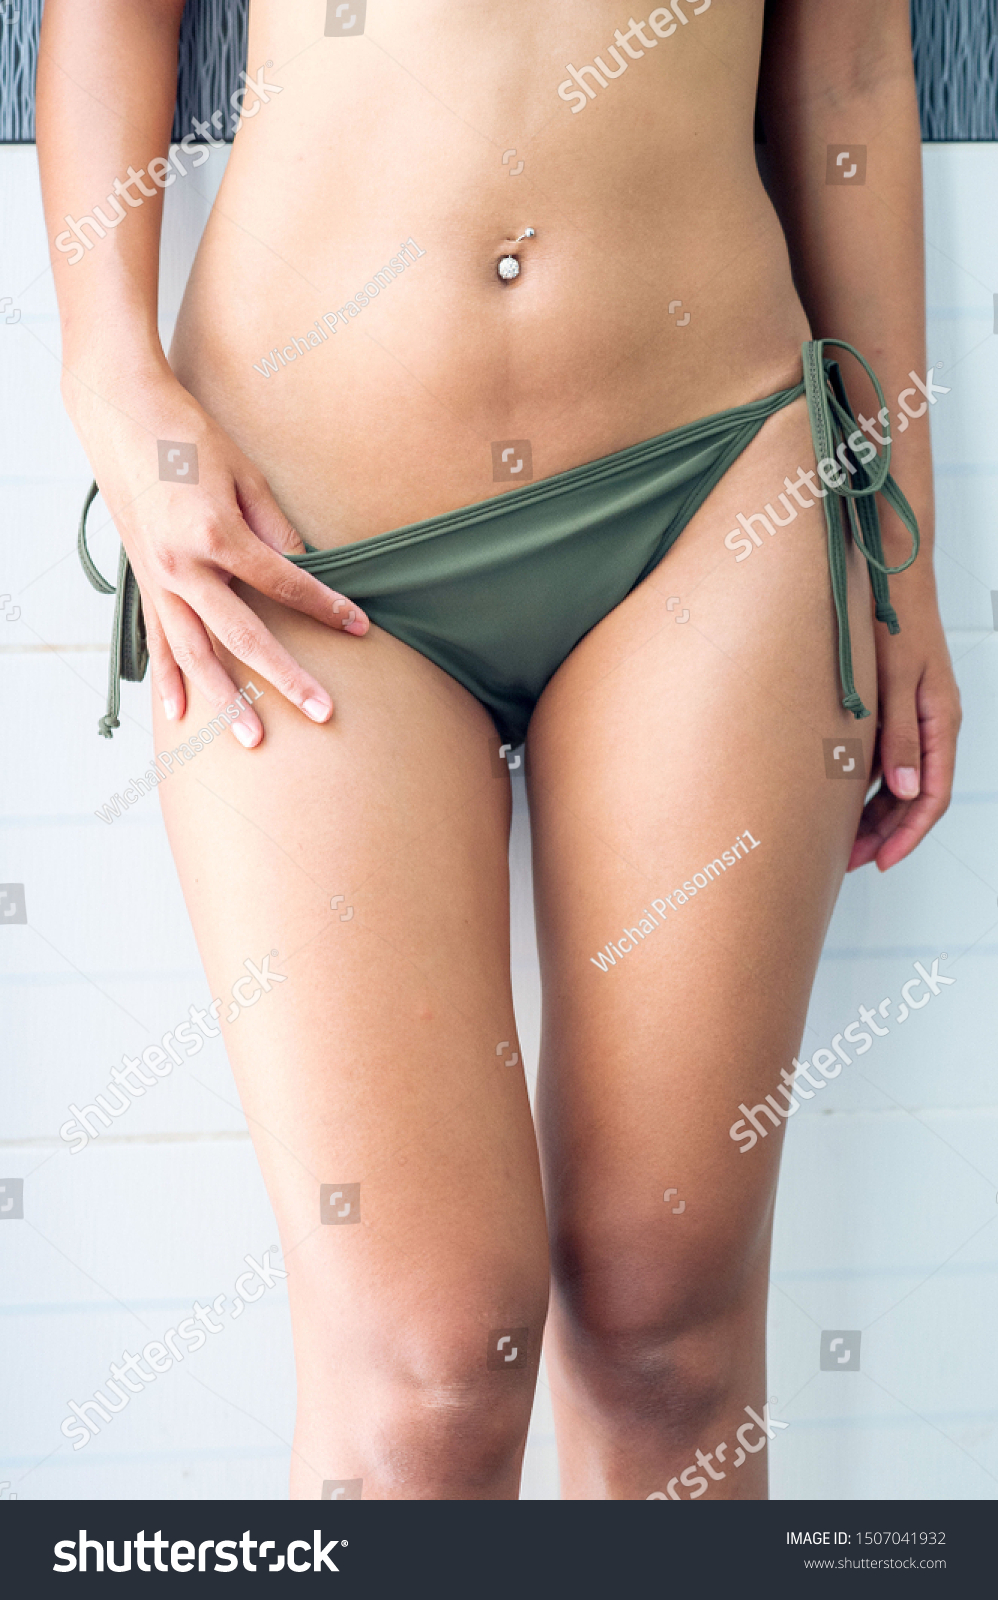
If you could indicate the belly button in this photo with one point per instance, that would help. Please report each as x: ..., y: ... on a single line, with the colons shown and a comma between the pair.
x: 508, y: 267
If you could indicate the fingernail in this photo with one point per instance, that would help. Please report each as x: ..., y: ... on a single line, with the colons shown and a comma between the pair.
x: 243, y: 734
x: 318, y: 710
x: 356, y: 625
x: 906, y: 782
x: 171, y: 710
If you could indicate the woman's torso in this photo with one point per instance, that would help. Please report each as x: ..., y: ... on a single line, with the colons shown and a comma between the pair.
x: 645, y: 196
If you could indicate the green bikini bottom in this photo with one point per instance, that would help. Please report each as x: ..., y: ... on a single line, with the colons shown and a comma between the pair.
x: 499, y: 593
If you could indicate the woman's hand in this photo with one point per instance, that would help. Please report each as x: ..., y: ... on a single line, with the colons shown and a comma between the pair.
x: 916, y: 745
x: 187, y: 542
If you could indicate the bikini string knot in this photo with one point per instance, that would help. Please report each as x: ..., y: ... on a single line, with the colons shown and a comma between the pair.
x: 851, y: 506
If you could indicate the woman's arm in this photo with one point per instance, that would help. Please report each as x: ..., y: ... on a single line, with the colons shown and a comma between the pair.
x: 107, y: 73
x: 841, y: 76
x: 107, y: 77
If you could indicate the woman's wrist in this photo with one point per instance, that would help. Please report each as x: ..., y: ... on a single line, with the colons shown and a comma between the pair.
x: 115, y: 411
x: 102, y: 378
x: 916, y: 602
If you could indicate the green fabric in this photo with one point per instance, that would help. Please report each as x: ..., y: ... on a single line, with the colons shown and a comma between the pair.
x: 129, y: 654
x: 832, y: 423
x: 499, y: 593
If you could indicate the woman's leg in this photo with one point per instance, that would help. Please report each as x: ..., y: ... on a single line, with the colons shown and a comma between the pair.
x: 370, y: 854
x: 655, y: 747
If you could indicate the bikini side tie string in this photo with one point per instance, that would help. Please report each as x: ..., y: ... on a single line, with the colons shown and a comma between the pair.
x: 129, y: 655
x: 852, y: 507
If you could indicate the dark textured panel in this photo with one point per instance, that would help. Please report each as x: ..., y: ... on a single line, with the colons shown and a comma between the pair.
x: 956, y: 62
x: 212, y: 54
x: 19, y: 21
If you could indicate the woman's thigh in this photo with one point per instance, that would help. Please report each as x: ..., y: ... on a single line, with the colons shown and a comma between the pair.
x: 658, y: 744
x: 370, y: 855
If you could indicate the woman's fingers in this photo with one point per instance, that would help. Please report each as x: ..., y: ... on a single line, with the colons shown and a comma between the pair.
x: 918, y: 751
x: 900, y: 742
x: 167, y: 678
x: 898, y: 759
x: 295, y: 588
x: 239, y: 630
x: 229, y: 527
x: 939, y: 721
x: 880, y: 818
x: 192, y: 652
x: 262, y: 513
x: 254, y: 548
x: 277, y: 578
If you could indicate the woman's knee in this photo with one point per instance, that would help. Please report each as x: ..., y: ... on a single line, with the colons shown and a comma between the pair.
x: 433, y: 1399
x: 656, y: 1333
x: 455, y: 1434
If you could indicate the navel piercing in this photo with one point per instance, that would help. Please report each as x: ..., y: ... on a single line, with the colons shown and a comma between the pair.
x: 509, y: 266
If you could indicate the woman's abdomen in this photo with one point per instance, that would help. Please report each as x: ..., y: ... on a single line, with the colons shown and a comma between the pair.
x: 345, y: 320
